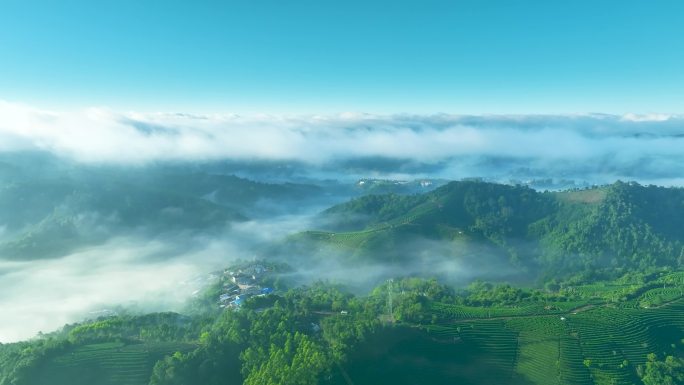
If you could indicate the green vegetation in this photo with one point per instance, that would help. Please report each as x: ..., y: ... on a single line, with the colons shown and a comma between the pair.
x: 589, y: 235
x: 105, y: 363
x: 541, y: 338
x: 116, y: 350
x: 483, y: 334
x: 667, y: 372
x: 64, y: 208
x: 606, y: 308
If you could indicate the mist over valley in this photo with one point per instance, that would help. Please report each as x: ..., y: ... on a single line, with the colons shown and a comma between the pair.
x: 87, y: 236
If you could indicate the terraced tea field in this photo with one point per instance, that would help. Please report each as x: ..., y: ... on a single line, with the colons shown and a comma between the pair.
x: 655, y: 297
x: 448, y: 311
x: 598, y: 344
x: 111, y: 363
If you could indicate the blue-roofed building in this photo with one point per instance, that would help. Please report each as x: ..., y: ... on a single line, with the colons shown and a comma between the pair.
x: 238, y: 301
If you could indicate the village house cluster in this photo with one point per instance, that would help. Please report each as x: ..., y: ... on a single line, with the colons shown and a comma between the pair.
x: 243, y: 283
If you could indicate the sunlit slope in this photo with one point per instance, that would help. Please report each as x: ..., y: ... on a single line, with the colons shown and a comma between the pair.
x: 581, y: 344
x: 621, y: 226
x: 468, y: 220
x: 112, y: 363
x: 596, y: 333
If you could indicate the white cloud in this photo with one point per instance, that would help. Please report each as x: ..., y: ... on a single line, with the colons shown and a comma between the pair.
x: 44, y: 295
x: 585, y: 141
x: 148, y: 274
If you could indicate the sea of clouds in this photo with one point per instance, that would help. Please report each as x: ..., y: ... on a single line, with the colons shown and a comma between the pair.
x: 593, y: 146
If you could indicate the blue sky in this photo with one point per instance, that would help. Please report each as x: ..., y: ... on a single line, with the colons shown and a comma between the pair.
x: 467, y: 56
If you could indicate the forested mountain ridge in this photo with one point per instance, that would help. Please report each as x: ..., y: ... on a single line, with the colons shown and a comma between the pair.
x: 630, y: 227
x: 622, y: 226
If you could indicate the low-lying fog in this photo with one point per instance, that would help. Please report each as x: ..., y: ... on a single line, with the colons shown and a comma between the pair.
x: 161, y: 274
x: 151, y: 272
x: 44, y: 295
x: 139, y: 274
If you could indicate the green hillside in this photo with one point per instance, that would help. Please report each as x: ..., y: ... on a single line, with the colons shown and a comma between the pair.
x: 609, y: 229
x: 62, y: 208
x: 110, y: 363
x: 53, y: 217
x: 601, y: 345
x: 603, y: 333
x: 589, y: 337
x: 608, y: 307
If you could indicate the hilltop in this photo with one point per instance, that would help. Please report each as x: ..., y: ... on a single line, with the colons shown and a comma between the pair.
x: 614, y: 228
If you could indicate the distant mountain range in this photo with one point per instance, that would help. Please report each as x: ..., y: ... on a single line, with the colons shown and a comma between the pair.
x: 50, y: 207
x: 50, y: 215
